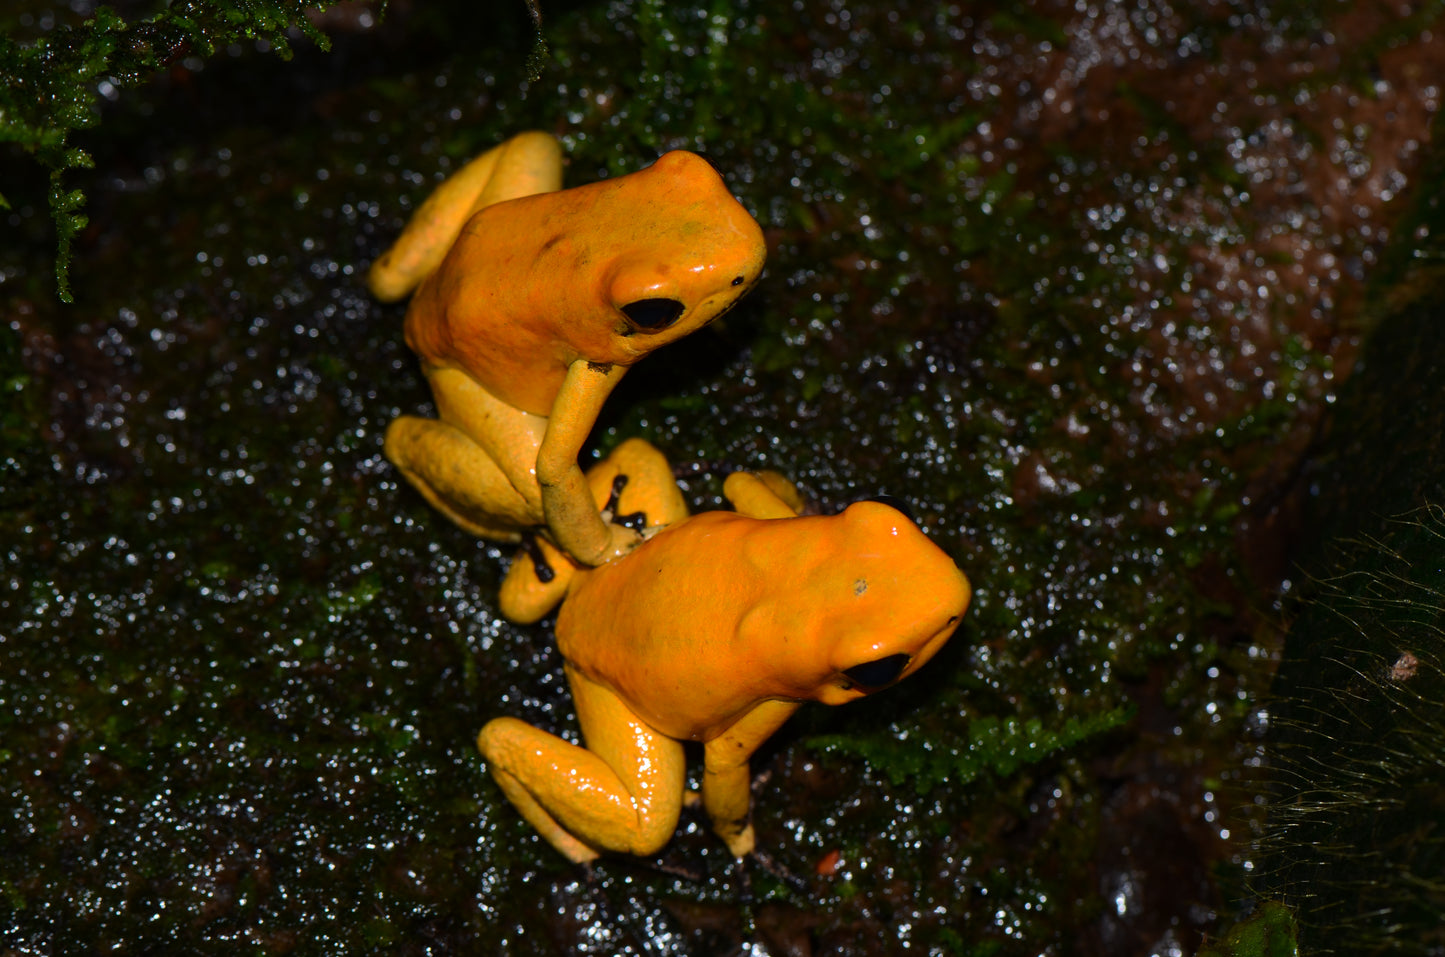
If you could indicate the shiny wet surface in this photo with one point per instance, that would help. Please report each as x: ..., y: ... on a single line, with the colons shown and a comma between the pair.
x: 1074, y: 282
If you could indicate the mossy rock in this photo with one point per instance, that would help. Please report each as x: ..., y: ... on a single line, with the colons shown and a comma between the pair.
x: 244, y: 665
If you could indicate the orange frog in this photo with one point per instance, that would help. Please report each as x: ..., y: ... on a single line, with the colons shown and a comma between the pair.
x: 715, y: 629
x: 532, y: 304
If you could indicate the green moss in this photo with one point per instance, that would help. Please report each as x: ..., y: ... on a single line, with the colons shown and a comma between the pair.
x: 995, y: 746
x: 50, y: 88
x: 21, y: 448
x: 1269, y: 932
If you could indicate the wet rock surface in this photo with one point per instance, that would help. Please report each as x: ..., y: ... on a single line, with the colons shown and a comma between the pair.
x: 1075, y: 281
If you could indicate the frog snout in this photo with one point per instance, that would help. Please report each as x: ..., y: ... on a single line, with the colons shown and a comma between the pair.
x: 655, y: 314
x: 876, y: 674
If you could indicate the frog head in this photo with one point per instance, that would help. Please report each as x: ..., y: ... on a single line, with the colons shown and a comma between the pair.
x: 696, y: 252
x: 869, y: 599
x: 647, y: 258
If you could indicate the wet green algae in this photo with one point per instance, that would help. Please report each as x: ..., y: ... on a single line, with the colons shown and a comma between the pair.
x: 243, y: 665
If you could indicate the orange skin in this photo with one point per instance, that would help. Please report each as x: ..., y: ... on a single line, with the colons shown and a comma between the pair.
x: 717, y: 629
x: 532, y: 304
x: 651, y: 492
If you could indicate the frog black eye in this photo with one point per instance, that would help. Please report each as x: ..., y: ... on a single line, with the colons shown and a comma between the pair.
x: 653, y: 314
x: 895, y: 503
x: 876, y: 674
x: 737, y: 280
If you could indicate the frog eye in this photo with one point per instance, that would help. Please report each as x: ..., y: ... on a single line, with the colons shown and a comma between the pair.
x: 876, y: 674
x: 653, y: 314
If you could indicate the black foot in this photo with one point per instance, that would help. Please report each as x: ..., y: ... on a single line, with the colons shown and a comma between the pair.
x: 618, y: 484
x: 637, y: 521
x: 545, y: 572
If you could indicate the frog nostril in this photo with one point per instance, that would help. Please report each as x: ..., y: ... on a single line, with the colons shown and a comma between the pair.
x: 654, y: 314
x: 876, y: 674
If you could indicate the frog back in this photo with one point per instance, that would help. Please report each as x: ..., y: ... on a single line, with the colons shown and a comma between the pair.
x: 603, y: 273
x: 659, y: 626
x: 716, y: 614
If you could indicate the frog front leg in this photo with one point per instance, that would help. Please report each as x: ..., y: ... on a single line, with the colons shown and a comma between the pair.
x: 572, y: 517
x: 622, y: 792
x: 727, y: 776
x: 524, y: 165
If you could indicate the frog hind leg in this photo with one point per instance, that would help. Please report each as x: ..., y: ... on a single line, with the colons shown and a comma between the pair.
x: 623, y: 792
x: 526, y: 595
x: 524, y: 165
x: 476, y: 461
x: 763, y: 495
x: 458, y: 478
x: 649, y: 490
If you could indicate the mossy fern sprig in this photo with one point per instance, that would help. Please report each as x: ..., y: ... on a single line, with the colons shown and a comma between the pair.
x: 52, y: 87
x: 998, y: 746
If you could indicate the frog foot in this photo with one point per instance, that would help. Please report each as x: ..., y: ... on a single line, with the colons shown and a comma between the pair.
x: 540, y: 566
x: 637, y: 521
x: 536, y: 581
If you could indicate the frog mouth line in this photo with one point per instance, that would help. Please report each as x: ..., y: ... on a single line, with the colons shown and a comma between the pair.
x: 736, y: 299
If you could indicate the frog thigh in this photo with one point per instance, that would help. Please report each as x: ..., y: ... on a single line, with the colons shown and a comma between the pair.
x: 510, y: 437
x: 525, y: 164
x: 521, y: 758
x: 458, y: 479
x: 649, y: 766
x: 783, y: 487
x: 623, y: 792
